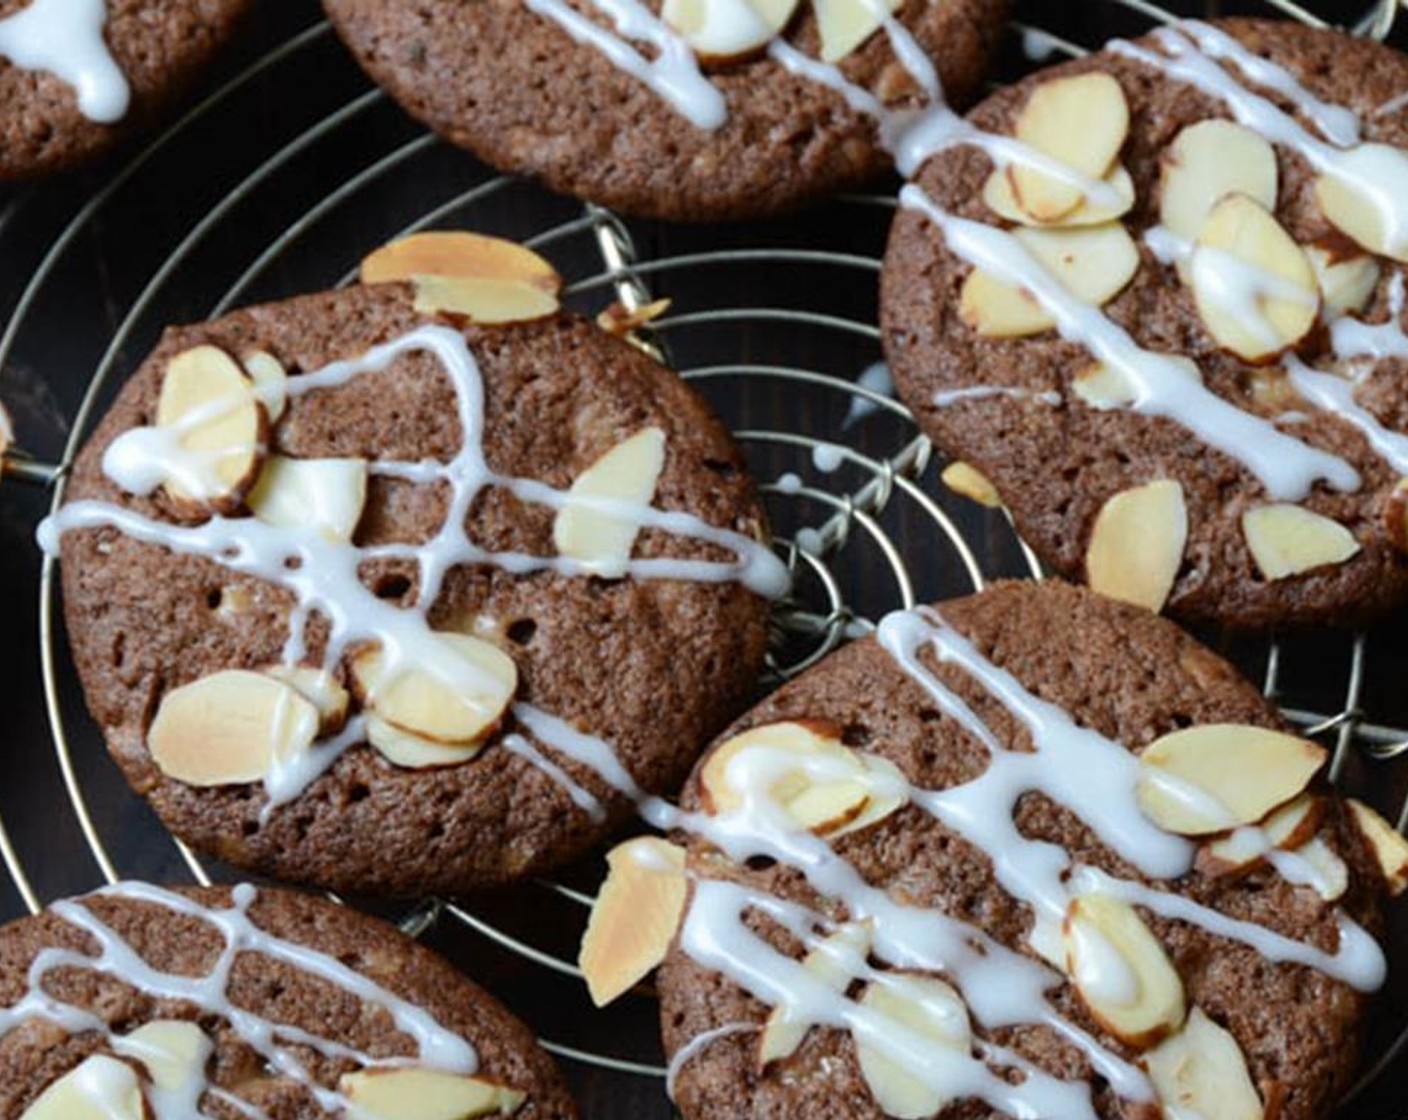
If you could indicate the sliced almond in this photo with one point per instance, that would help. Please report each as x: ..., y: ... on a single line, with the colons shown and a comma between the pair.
x: 931, y: 1009
x: 1254, y: 286
x: 321, y: 689
x: 627, y: 473
x: 1136, y: 546
x: 414, y: 752
x: 1200, y: 1071
x: 174, y: 1052
x: 1287, y: 828
x: 1093, y: 263
x: 835, y: 962
x: 270, y: 382
x: 966, y: 480
x: 323, y: 495
x: 1364, y: 198
x: 724, y: 31
x: 1121, y: 972
x: 1272, y: 390
x: 1080, y: 121
x: 621, y: 321
x: 1287, y: 540
x: 807, y: 772
x: 451, y: 688
x: 1390, y: 848
x: 1218, y: 776
x: 458, y: 253
x: 483, y: 300
x: 218, y: 428
x: 1106, y: 387
x: 1346, y: 286
x: 1326, y: 872
x: 101, y: 1088
x: 999, y: 197
x: 636, y: 915
x: 425, y: 1094
x: 231, y: 727
x: 1207, y: 162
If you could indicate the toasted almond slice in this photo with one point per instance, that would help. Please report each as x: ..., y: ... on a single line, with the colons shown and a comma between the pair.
x: 321, y: 689
x: 1390, y: 848
x: 620, y: 321
x: 965, y: 479
x: 323, y: 495
x: 1287, y: 828
x: 1365, y: 198
x: 1105, y: 387
x: 835, y: 962
x: 173, y: 1051
x: 1136, y: 546
x: 100, y: 1088
x: 414, y: 752
x: 1200, y: 1071
x: 218, y: 429
x: 458, y: 253
x: 636, y: 916
x: 999, y: 198
x: 1321, y: 869
x: 1217, y: 776
x: 483, y: 300
x: 1207, y: 162
x: 1121, y: 972
x: 1346, y: 286
x: 230, y: 727
x: 270, y: 382
x: 1254, y: 286
x: 452, y: 688
x: 425, y: 1094
x: 845, y: 24
x: 928, y: 1007
x: 724, y: 31
x: 627, y: 473
x: 1094, y: 263
x: 1080, y: 121
x: 1287, y: 540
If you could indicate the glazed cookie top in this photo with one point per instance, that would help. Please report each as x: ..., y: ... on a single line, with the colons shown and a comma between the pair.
x: 359, y: 590
x: 1156, y: 297
x: 971, y: 867
x: 694, y: 109
x: 139, y: 1003
x: 77, y: 75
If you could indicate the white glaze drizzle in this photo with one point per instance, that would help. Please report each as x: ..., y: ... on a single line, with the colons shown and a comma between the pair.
x: 436, y: 1047
x: 65, y: 38
x: 875, y: 377
x: 948, y: 397
x: 697, y: 1045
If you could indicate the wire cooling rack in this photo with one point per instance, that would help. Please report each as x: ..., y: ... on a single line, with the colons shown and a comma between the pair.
x: 278, y: 182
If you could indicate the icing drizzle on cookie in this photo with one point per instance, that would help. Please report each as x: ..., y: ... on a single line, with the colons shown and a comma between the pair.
x: 65, y: 38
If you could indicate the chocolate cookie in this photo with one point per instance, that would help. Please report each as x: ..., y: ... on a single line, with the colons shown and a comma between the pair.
x: 1029, y: 853
x: 222, y: 1002
x: 368, y: 595
x: 77, y: 78
x: 698, y: 110
x: 1155, y: 297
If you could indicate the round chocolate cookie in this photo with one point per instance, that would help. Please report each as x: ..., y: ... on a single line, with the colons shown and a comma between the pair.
x: 413, y: 741
x: 978, y: 866
x: 137, y: 1001
x: 1175, y: 348
x: 759, y: 127
x: 78, y: 78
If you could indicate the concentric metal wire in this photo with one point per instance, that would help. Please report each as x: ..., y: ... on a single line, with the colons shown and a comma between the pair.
x: 859, y: 517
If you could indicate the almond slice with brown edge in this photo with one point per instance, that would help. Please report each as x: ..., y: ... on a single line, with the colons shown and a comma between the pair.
x: 627, y: 473
x: 218, y: 429
x: 1218, y: 776
x: 635, y: 917
x: 835, y: 962
x: 1136, y: 546
x: 99, y: 1088
x: 845, y: 24
x: 1000, y: 199
x: 1347, y: 284
x: 724, y: 31
x: 969, y: 482
x: 1388, y: 844
x: 1287, y: 540
x: 324, y: 495
x: 1255, y: 288
x: 1093, y: 263
x: 1287, y: 828
x: 425, y: 1094
x: 1082, y: 123
x: 270, y: 382
x: 487, y: 279
x: 174, y: 1052
x: 1365, y: 199
x: 1105, y: 387
x: 1121, y: 972
x: 931, y: 1009
x: 412, y: 752
x: 621, y: 321
x: 450, y: 688
x: 321, y: 689
x: 1200, y: 1071
x: 1207, y: 162
x: 230, y: 727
